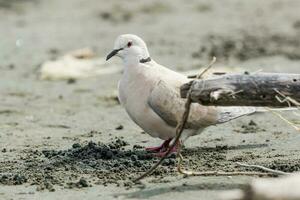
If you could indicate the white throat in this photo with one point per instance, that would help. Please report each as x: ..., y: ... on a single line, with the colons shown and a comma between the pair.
x: 135, y: 59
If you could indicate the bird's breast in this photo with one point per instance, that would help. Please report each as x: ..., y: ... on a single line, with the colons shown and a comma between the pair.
x: 134, y: 95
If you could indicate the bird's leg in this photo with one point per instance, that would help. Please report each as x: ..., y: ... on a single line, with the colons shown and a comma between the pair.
x: 165, y: 150
x: 163, y: 147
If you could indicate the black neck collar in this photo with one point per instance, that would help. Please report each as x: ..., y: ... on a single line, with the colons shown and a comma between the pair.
x: 144, y: 60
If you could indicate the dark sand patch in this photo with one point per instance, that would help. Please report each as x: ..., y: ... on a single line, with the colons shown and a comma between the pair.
x: 114, y: 163
x: 246, y: 45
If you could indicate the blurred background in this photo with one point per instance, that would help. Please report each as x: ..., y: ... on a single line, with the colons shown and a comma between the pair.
x: 250, y: 34
x: 39, y: 113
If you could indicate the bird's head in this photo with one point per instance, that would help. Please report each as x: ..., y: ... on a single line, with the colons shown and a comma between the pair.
x: 129, y: 46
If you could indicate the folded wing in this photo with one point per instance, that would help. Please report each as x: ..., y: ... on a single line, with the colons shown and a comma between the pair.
x: 167, y: 103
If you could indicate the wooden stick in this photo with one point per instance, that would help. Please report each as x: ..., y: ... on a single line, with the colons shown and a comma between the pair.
x: 276, y: 172
x: 259, y: 89
x: 219, y: 173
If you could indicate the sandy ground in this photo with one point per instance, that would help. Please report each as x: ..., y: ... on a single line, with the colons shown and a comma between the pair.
x: 62, y: 139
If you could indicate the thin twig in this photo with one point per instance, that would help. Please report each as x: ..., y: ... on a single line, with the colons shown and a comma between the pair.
x: 207, y: 68
x: 217, y: 173
x: 289, y: 101
x: 276, y: 172
x: 179, y: 127
x: 234, y: 93
x: 284, y: 119
x: 256, y: 72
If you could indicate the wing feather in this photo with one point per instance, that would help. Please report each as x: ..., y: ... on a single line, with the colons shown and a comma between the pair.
x: 167, y: 103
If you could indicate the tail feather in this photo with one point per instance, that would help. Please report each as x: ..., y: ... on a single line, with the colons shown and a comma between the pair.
x: 262, y: 109
x: 232, y: 112
x: 229, y: 113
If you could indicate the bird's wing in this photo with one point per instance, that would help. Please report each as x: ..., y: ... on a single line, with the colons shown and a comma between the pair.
x: 165, y: 100
x: 167, y: 103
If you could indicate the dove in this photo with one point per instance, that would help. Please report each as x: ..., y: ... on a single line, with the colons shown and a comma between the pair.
x: 141, y: 75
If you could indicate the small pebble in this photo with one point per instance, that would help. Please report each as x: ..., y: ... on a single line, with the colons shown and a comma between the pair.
x: 76, y: 145
x: 252, y: 123
x: 120, y: 127
x: 83, y: 182
x: 71, y: 81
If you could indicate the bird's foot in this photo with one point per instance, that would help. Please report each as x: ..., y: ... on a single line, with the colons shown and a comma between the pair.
x: 162, y: 148
x: 163, y: 153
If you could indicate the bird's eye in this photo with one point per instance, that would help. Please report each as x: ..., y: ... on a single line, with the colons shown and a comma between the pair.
x: 129, y: 44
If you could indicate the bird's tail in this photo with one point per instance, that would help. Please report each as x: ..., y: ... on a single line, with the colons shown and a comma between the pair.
x: 263, y: 109
x: 232, y: 112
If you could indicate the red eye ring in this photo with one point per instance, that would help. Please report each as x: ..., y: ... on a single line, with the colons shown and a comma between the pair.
x: 129, y: 44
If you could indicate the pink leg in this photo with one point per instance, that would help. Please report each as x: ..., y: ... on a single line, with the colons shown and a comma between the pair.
x: 163, y: 147
x: 163, y: 152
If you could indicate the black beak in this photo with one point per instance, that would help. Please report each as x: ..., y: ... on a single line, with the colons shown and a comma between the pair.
x: 113, y: 53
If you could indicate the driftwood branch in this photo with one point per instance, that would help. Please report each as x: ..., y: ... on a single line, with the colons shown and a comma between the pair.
x: 261, y: 89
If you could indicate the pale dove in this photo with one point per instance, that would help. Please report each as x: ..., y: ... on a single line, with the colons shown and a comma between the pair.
x: 140, y: 77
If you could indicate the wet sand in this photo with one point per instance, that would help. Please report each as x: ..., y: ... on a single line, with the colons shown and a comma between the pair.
x: 62, y: 139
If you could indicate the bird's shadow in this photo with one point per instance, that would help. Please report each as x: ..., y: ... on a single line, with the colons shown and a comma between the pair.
x: 237, y: 147
x: 151, y: 192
